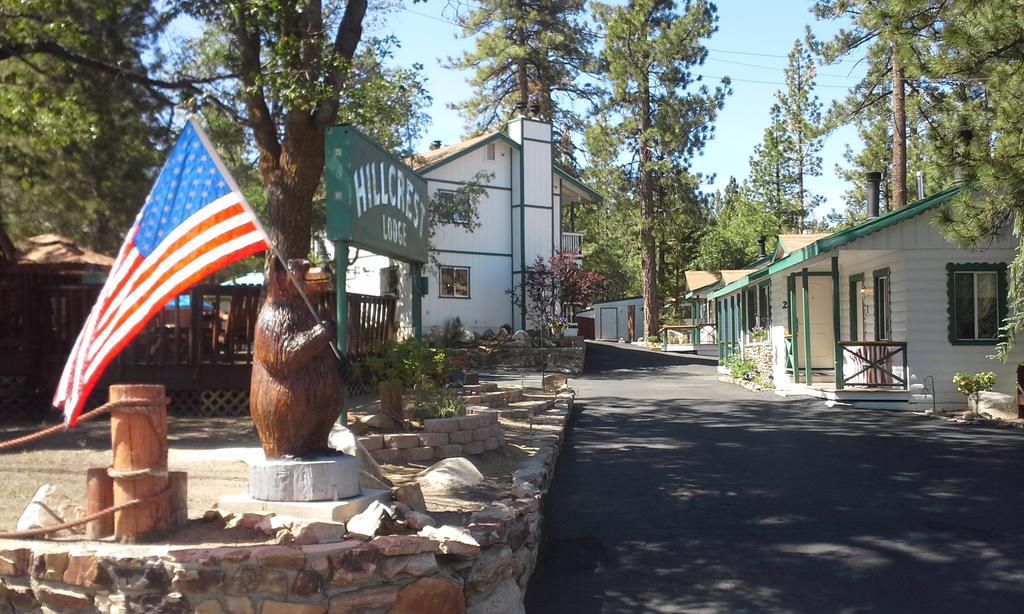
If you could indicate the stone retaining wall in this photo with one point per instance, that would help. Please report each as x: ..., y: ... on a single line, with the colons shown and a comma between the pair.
x: 566, y: 360
x: 761, y: 354
x: 481, y: 566
x: 440, y: 438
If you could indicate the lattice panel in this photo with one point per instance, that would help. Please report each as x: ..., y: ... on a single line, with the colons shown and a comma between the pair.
x: 210, y: 403
x: 18, y: 401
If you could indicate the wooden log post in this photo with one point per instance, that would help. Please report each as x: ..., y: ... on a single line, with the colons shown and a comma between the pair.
x: 99, y: 495
x: 139, y: 438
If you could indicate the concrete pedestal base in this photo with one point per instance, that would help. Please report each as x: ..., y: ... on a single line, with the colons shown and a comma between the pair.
x: 326, y: 478
x: 335, y: 511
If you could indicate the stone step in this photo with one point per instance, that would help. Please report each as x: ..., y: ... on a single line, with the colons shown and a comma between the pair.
x: 506, y: 412
x: 533, y: 396
x: 478, y: 388
x: 534, y: 407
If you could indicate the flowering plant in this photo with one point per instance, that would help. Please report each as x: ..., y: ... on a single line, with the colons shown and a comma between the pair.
x: 758, y: 333
x: 558, y: 323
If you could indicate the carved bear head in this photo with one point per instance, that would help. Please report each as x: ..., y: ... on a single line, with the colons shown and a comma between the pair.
x: 280, y: 286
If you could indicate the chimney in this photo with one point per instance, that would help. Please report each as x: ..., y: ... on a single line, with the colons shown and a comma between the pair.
x: 874, y: 185
x: 435, y: 144
x: 964, y: 136
x: 761, y: 252
x: 920, y: 185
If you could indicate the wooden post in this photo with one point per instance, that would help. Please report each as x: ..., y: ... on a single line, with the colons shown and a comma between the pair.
x: 140, y: 446
x: 99, y: 495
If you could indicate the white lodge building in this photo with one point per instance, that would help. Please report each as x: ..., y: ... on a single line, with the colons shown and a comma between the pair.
x: 881, y: 314
x: 523, y: 212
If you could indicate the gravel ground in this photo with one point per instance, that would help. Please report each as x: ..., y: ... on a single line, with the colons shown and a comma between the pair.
x: 212, y: 451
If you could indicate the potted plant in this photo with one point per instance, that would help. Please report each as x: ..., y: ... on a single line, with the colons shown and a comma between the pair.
x: 389, y: 369
x: 758, y: 334
x: 654, y: 342
x: 557, y: 324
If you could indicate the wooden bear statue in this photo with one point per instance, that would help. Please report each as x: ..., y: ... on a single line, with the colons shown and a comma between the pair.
x: 296, y: 392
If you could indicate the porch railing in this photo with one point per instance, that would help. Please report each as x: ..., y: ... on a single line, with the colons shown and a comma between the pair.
x: 572, y: 242
x: 872, y: 364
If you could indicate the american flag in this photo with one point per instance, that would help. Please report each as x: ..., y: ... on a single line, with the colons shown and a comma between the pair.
x: 194, y: 222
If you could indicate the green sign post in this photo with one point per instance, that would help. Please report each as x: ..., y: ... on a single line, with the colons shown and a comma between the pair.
x: 374, y: 202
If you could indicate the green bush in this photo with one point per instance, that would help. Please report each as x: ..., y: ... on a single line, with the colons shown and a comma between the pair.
x: 411, y: 362
x: 653, y: 339
x: 438, y: 403
x: 740, y: 367
x: 974, y: 385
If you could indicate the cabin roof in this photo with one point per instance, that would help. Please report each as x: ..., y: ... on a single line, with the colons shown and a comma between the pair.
x: 844, y: 237
x: 54, y: 249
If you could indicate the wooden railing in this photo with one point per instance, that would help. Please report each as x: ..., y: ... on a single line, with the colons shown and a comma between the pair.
x: 872, y: 364
x: 572, y: 242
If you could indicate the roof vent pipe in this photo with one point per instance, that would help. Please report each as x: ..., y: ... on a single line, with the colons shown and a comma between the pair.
x: 435, y: 144
x: 761, y: 252
x: 874, y: 186
x: 920, y: 185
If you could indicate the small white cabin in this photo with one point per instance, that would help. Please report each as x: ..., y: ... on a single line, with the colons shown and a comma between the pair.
x: 881, y: 314
x: 619, y: 319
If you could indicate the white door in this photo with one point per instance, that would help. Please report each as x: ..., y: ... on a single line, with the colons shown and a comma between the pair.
x: 822, y: 338
x: 609, y: 318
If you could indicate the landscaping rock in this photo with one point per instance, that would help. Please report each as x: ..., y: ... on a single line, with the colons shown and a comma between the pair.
x: 345, y: 441
x: 379, y: 597
x: 369, y: 521
x: 411, y: 564
x: 467, y: 336
x: 411, y: 495
x: 432, y: 595
x: 505, y: 598
x: 995, y: 404
x: 456, y: 541
x: 450, y: 473
x: 379, y: 421
x: 317, y: 532
x: 418, y: 520
x: 37, y: 513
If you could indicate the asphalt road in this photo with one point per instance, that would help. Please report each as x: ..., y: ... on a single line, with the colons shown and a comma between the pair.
x: 676, y: 492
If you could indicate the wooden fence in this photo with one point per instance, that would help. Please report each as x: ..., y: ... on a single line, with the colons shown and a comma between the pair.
x: 200, y: 342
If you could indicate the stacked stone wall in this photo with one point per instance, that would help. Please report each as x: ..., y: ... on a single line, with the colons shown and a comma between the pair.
x: 479, y: 565
x: 761, y: 354
x: 440, y: 438
x: 567, y: 360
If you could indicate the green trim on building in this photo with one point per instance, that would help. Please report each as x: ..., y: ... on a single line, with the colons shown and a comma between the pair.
x: 471, y: 253
x: 575, y: 181
x: 807, y: 325
x: 1001, y: 298
x: 836, y: 326
x: 882, y: 272
x: 854, y: 315
x: 845, y: 237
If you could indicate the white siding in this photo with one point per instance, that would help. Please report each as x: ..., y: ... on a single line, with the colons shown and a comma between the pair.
x: 488, y: 305
x: 465, y: 166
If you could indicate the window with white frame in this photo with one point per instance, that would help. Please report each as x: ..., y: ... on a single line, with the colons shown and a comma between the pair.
x: 977, y: 302
x: 454, y: 282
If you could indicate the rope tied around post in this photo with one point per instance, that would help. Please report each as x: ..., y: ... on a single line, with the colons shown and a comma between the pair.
x: 140, y: 406
x: 84, y: 519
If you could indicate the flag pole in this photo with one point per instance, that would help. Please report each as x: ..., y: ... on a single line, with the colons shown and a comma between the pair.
x: 256, y: 220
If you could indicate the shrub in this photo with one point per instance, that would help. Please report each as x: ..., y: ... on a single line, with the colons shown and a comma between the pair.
x: 438, y: 403
x: 741, y: 367
x: 974, y: 385
x: 410, y: 361
x: 653, y: 339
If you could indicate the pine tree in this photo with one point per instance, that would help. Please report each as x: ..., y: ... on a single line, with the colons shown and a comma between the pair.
x: 656, y: 114
x: 772, y: 180
x: 526, y: 52
x: 801, y: 114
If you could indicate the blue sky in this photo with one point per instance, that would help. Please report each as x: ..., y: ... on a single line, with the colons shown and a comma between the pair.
x: 750, y: 46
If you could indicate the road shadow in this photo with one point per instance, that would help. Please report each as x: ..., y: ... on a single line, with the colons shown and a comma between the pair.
x: 714, y: 498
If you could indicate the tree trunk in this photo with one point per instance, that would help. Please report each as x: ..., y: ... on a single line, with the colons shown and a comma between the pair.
x: 899, y: 137
x: 648, y: 256
x: 290, y: 187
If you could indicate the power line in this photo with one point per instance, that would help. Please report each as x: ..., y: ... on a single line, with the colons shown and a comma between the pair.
x: 765, y: 55
x: 777, y: 68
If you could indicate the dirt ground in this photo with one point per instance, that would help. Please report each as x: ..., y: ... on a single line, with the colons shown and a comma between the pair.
x: 212, y: 451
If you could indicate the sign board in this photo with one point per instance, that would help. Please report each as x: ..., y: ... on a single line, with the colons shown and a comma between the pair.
x: 374, y: 201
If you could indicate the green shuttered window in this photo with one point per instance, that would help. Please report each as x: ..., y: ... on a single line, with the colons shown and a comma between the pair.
x: 977, y: 302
